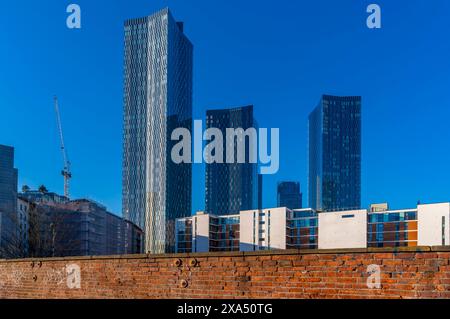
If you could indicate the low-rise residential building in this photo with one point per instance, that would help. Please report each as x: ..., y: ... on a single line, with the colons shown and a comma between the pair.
x: 393, y: 228
x: 252, y: 230
x: 60, y: 227
x: 347, y: 229
x: 283, y: 228
x: 433, y: 224
x: 23, y: 207
x: 302, y: 229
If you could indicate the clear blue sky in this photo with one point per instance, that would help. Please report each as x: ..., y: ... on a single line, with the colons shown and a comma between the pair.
x: 278, y: 55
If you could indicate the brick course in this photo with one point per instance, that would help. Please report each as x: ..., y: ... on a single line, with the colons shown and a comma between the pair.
x: 419, y: 272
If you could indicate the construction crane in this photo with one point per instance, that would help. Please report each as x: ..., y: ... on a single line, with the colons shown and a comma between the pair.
x: 66, y: 173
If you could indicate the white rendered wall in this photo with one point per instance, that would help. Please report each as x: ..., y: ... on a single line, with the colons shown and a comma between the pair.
x: 277, y: 229
x: 430, y: 224
x: 274, y: 232
x: 248, y: 228
x: 343, y: 229
x: 200, y: 230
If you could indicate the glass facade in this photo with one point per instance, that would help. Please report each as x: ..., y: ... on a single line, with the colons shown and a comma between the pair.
x: 302, y: 229
x: 392, y: 229
x: 260, y: 191
x: 157, y: 100
x: 334, y: 181
x: 184, y: 235
x: 289, y: 195
x: 283, y: 228
x: 224, y: 234
x: 231, y: 188
x: 9, y: 224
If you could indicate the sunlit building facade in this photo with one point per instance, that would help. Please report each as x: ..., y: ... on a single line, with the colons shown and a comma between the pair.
x: 302, y: 229
x: 306, y: 229
x: 157, y: 100
x: 392, y: 228
x: 251, y: 230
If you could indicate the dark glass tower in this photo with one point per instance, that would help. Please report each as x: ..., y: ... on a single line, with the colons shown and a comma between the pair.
x: 289, y: 195
x: 157, y: 100
x: 8, y: 202
x: 231, y: 188
x: 260, y: 191
x: 334, y: 181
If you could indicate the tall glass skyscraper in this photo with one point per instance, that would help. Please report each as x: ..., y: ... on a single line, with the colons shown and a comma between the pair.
x: 289, y: 195
x: 8, y: 203
x: 231, y: 188
x: 157, y: 99
x: 334, y: 180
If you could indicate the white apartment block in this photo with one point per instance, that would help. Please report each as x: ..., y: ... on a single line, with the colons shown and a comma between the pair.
x: 282, y: 228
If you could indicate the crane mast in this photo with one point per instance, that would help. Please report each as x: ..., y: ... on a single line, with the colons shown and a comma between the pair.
x: 66, y: 172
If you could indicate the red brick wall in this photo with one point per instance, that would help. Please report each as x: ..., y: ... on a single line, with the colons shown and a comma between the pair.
x: 420, y: 273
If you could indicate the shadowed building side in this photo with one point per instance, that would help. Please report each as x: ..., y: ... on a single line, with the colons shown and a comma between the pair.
x: 334, y: 181
x: 8, y: 204
x: 231, y: 187
x: 289, y: 195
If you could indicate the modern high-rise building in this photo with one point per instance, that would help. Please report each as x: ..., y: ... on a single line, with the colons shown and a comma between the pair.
x: 231, y: 187
x: 9, y: 224
x: 334, y: 181
x: 260, y: 191
x: 158, y: 88
x: 289, y: 195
